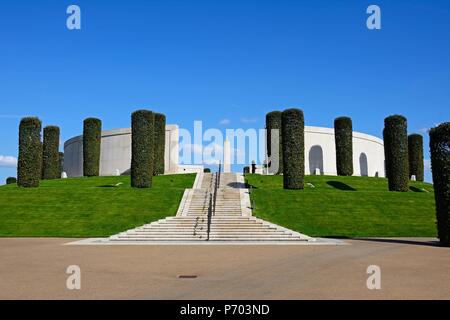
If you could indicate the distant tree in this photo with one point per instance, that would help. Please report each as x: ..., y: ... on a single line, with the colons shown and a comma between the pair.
x: 396, y: 152
x: 246, y: 169
x: 273, y: 122
x: 11, y: 180
x: 61, y: 163
x: 92, y: 137
x: 440, y: 166
x: 293, y: 136
x: 30, y: 153
x: 50, y: 153
x: 343, y: 135
x: 415, y: 156
x: 206, y: 170
x: 160, y: 143
x: 142, y: 148
x: 253, y: 167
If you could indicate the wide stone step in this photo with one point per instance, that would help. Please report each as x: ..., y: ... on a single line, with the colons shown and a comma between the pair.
x: 215, y: 218
x: 204, y: 226
x: 221, y: 235
x: 233, y: 238
x: 233, y: 230
x: 212, y: 234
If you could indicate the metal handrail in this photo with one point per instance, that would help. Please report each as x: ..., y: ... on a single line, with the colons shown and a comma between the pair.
x: 213, y: 199
x: 209, y: 217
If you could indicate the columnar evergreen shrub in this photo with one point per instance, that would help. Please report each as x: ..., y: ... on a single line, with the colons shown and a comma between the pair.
x: 30, y: 153
x: 246, y: 169
x: 343, y: 135
x: 415, y: 156
x: 61, y: 163
x: 293, y: 136
x: 142, y: 148
x: 159, y: 143
x: 92, y: 136
x: 11, y: 180
x: 273, y: 121
x: 440, y: 167
x: 50, y: 153
x: 396, y: 152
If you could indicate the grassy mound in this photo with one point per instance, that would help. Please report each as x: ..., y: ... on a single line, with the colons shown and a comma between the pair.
x: 345, y: 206
x: 87, y: 207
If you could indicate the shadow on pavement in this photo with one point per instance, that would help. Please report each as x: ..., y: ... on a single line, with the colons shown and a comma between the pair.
x: 412, y: 241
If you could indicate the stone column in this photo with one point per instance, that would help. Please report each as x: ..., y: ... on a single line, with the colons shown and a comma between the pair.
x: 171, y: 149
x: 226, y: 156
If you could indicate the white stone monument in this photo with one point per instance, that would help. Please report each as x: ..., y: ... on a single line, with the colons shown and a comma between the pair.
x: 413, y: 177
x: 226, y: 156
x: 63, y: 175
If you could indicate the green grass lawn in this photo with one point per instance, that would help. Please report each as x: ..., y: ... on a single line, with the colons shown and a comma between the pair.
x: 87, y: 207
x: 345, y: 207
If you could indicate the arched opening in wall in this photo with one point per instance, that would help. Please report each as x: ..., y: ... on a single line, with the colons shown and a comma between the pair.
x: 316, y: 160
x: 363, y: 166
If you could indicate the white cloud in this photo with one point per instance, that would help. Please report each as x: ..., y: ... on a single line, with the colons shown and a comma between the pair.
x: 427, y: 164
x: 211, y: 154
x: 426, y: 130
x: 193, y: 148
x: 249, y: 120
x: 224, y: 121
x: 8, y: 161
x: 212, y: 162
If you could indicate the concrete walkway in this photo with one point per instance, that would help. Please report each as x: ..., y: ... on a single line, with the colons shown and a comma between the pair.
x: 410, y: 269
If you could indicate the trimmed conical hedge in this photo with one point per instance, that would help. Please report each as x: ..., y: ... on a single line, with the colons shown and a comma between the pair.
x: 273, y: 121
x: 293, y: 136
x: 343, y: 136
x: 92, y: 137
x: 440, y: 167
x: 50, y: 153
x: 142, y: 148
x: 29, y: 164
x: 415, y: 156
x: 159, y: 143
x: 396, y: 152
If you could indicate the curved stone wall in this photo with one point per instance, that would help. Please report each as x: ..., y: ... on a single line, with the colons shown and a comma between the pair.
x: 115, y: 153
x: 320, y: 153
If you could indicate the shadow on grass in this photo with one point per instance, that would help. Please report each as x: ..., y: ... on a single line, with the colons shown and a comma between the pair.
x: 340, y: 185
x: 415, y: 189
x: 110, y: 185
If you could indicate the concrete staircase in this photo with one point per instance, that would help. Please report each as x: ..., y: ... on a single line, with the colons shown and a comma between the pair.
x: 232, y: 220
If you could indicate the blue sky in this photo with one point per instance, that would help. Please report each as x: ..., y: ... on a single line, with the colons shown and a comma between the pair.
x: 216, y: 60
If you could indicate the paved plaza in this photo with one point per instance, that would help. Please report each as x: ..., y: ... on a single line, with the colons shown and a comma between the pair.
x: 35, y: 268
